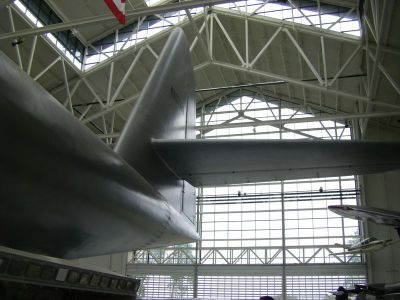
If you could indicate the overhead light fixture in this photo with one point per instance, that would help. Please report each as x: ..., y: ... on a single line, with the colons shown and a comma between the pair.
x: 17, y: 42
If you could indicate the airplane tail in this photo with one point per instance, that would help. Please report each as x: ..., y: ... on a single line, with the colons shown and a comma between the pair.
x: 164, y: 110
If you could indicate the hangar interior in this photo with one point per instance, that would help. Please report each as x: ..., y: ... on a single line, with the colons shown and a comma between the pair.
x: 295, y: 69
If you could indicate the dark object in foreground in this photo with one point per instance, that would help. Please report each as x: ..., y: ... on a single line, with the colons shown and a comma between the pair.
x: 378, y: 290
x: 38, y: 277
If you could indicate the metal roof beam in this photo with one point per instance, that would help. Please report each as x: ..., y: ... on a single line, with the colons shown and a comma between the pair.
x: 289, y: 25
x: 343, y: 117
x: 160, y: 9
x: 304, y: 84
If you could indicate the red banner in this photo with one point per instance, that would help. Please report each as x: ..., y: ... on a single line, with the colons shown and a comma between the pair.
x: 117, y: 7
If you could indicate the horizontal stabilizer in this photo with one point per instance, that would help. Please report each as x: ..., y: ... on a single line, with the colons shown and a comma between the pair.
x: 219, y: 162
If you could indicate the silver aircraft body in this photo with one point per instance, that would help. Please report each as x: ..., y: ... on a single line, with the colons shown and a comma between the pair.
x: 366, y: 245
x: 64, y: 193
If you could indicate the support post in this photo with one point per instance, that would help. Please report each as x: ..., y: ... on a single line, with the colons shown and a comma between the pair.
x: 198, y: 35
x: 126, y: 76
x: 67, y: 87
x: 110, y: 80
x: 344, y: 66
x: 47, y: 68
x: 32, y: 53
x: 308, y: 62
x: 230, y: 41
x: 267, y: 44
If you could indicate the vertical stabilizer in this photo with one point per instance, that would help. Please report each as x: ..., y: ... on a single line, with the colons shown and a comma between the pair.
x: 165, y: 110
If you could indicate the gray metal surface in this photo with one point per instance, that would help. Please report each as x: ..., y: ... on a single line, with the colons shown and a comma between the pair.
x: 25, y: 268
x: 218, y: 162
x: 63, y: 192
x: 366, y: 213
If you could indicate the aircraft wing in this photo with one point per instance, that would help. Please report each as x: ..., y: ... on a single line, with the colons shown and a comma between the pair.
x: 365, y: 213
x: 219, y: 162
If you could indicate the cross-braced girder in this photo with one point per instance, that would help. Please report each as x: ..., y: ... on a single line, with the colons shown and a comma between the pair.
x: 325, y: 79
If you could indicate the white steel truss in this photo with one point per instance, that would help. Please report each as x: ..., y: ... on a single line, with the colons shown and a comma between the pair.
x: 205, y: 35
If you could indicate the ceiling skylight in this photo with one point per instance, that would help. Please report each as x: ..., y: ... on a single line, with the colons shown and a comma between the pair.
x: 307, y: 13
x: 325, y: 16
x: 35, y: 22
